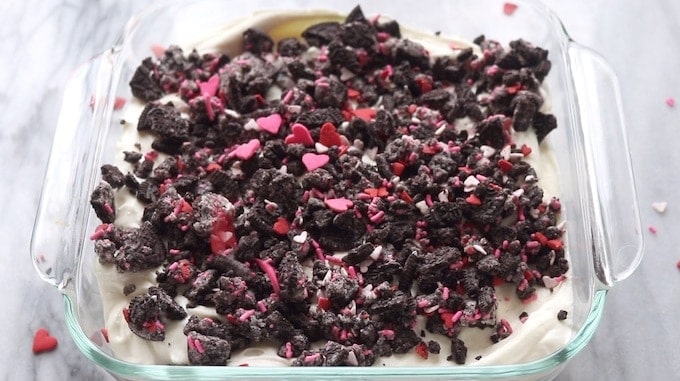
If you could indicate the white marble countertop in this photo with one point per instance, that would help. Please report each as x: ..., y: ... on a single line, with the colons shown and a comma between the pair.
x: 41, y: 42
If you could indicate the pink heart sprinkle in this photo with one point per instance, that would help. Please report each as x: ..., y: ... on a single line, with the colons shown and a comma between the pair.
x: 270, y: 123
x: 158, y: 50
x: 210, y: 86
x: 509, y: 8
x: 300, y: 134
x: 246, y: 151
x: 338, y: 205
x: 313, y: 161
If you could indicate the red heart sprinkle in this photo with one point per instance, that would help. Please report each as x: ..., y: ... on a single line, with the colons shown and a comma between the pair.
x: 509, y: 8
x: 376, y: 192
x: 406, y: 197
x: 329, y: 136
x: 343, y: 150
x: 281, y: 226
x: 313, y: 161
x: 473, y: 200
x: 504, y: 165
x: 541, y: 238
x: 421, y: 350
x: 347, y: 115
x: 118, y: 103
x: 514, y: 88
x: 353, y: 94
x: 270, y: 123
x: 555, y: 244
x: 398, y: 168
x: 43, y: 342
x: 300, y: 135
x: 526, y: 150
x: 105, y: 333
x: 429, y: 150
x: 212, y: 167
x: 365, y: 113
x: 324, y: 303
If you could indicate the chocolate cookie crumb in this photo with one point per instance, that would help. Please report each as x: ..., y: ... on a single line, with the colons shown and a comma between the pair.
x: 458, y: 351
x: 129, y: 289
x: 562, y: 315
x: 433, y: 347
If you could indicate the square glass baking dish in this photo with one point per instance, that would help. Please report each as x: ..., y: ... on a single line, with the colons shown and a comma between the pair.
x: 597, y: 187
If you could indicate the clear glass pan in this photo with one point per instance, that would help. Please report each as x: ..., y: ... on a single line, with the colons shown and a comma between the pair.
x: 597, y: 187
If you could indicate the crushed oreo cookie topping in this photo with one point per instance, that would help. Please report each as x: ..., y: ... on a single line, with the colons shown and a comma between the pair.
x: 331, y: 217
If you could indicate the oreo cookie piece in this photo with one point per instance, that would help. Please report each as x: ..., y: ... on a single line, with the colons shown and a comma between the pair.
x: 164, y: 121
x: 491, y: 132
x: 257, y: 42
x: 112, y: 175
x: 411, y: 52
x: 147, y: 312
x: 143, y: 84
x: 290, y: 47
x: 103, y: 203
x: 141, y: 249
x: 359, y: 34
x: 207, y: 350
x: 458, y: 351
x: 322, y: 33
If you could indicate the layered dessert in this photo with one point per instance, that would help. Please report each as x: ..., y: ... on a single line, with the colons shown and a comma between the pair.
x: 306, y: 189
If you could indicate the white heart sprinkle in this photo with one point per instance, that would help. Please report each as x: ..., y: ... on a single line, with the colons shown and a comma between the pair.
x: 660, y: 206
x: 251, y: 125
x: 320, y: 148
